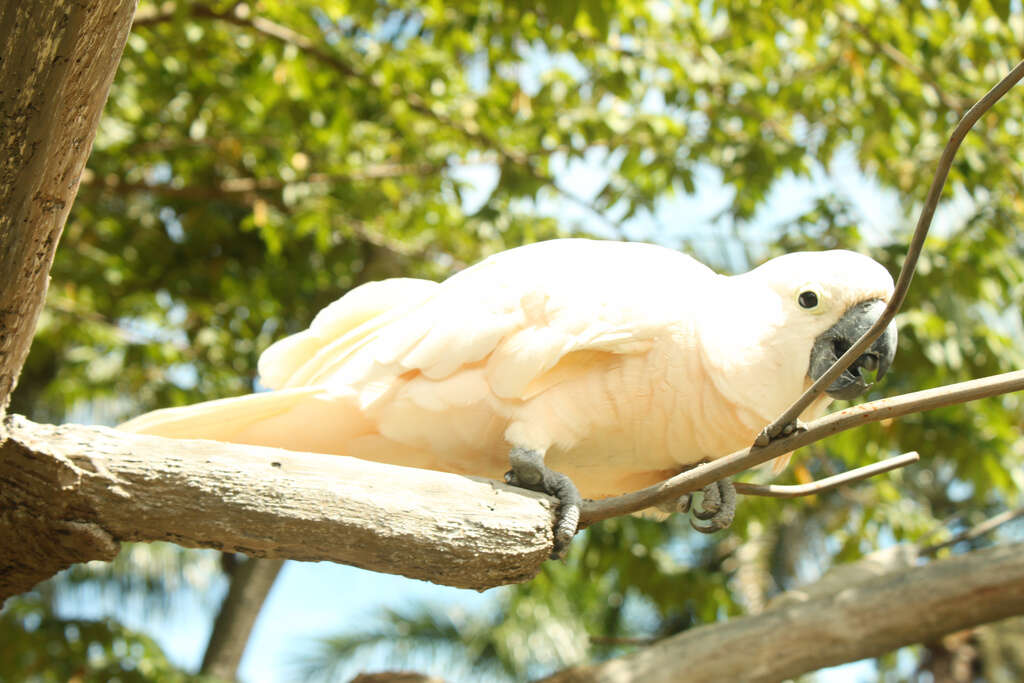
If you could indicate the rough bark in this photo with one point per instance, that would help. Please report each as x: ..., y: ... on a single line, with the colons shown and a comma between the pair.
x: 71, y: 493
x: 251, y: 581
x: 842, y: 619
x: 57, y: 61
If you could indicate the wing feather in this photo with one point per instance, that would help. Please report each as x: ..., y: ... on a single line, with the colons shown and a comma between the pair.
x: 339, y: 331
x: 519, y: 313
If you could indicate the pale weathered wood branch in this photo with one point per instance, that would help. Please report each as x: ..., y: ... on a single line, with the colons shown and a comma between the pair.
x: 864, y: 612
x: 57, y: 61
x: 71, y: 493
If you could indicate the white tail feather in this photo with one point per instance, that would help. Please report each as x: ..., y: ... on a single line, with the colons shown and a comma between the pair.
x: 220, y: 420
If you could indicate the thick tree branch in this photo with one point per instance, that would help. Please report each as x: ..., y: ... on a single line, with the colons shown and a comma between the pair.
x: 71, y: 493
x: 57, y: 61
x: 864, y: 611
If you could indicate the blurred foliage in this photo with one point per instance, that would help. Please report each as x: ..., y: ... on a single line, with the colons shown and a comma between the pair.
x: 256, y: 160
x: 151, y: 573
x: 40, y: 642
x: 38, y: 647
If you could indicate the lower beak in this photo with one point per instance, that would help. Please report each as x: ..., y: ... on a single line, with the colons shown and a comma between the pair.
x: 835, y: 341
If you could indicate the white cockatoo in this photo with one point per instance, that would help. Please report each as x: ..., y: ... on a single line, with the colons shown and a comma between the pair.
x: 589, y: 367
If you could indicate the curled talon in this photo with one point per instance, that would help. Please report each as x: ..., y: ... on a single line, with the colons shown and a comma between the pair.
x: 529, y: 472
x: 568, y: 513
x: 681, y: 504
x: 718, y: 507
x: 711, y: 503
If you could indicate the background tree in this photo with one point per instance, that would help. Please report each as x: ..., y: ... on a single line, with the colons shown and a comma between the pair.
x: 256, y: 160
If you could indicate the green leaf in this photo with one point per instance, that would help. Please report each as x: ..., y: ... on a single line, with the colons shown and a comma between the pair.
x: 1001, y: 8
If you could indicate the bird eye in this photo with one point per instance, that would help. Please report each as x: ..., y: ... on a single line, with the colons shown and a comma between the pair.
x: 807, y: 299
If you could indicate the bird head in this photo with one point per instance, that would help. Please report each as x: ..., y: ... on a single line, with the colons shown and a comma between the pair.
x: 831, y: 299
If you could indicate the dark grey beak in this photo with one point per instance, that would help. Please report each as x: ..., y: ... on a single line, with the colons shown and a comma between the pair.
x: 833, y: 343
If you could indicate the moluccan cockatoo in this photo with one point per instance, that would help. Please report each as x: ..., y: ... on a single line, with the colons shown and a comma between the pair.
x: 589, y: 367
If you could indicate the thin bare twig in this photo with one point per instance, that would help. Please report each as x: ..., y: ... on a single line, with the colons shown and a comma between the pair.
x: 833, y: 423
x: 988, y: 526
x: 828, y: 483
x: 909, y: 264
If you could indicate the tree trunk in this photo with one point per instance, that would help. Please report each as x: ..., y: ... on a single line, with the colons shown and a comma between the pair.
x: 251, y: 581
x: 57, y: 61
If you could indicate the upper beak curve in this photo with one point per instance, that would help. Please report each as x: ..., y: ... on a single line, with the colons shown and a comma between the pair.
x: 833, y: 343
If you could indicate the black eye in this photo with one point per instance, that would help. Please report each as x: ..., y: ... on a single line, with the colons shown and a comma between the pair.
x: 807, y: 299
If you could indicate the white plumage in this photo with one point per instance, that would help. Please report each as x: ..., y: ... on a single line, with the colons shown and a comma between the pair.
x: 622, y: 362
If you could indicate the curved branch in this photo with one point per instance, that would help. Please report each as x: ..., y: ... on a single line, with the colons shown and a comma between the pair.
x: 833, y: 423
x: 909, y: 264
x: 828, y: 483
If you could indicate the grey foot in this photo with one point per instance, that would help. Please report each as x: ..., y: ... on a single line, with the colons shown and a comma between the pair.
x: 718, y: 507
x: 529, y: 472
